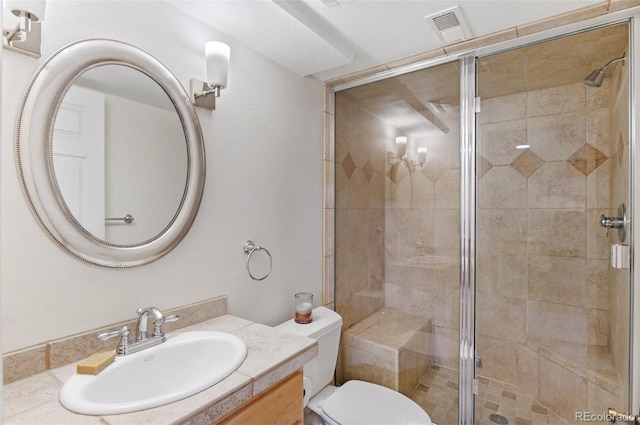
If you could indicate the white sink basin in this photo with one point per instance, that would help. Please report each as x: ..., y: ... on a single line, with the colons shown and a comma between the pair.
x: 180, y: 367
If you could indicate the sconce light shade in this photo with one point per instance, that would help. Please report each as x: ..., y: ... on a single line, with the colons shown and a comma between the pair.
x: 217, y: 54
x: 32, y: 9
x: 204, y: 93
x: 422, y: 155
x: 401, y: 145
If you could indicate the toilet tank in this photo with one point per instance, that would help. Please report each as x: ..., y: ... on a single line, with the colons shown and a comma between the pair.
x: 326, y: 328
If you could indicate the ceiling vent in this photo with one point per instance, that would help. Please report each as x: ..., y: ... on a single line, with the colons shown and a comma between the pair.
x: 449, y: 25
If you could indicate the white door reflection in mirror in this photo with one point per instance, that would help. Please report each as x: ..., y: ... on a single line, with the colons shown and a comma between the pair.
x: 78, y: 157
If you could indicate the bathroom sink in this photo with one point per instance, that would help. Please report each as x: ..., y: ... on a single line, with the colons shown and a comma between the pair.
x: 180, y: 367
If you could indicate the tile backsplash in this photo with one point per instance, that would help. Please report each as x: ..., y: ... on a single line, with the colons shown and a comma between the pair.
x: 55, y: 353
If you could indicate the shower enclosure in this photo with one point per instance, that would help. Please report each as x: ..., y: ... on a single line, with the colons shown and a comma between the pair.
x: 478, y: 279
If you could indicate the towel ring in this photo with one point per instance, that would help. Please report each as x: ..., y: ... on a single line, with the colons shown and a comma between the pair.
x: 249, y: 248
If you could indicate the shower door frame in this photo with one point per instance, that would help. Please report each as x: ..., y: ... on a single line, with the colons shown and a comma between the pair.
x: 634, y: 156
x: 468, y: 385
x: 469, y: 103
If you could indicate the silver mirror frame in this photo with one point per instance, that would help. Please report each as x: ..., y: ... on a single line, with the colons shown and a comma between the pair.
x: 34, y: 160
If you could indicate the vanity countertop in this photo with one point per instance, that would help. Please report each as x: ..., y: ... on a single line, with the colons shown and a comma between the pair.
x: 272, y: 355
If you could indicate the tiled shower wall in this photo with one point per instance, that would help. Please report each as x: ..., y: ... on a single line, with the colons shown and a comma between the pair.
x: 423, y: 243
x: 543, y: 260
x: 359, y: 246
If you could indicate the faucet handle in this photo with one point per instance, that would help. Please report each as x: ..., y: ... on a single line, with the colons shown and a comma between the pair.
x: 108, y: 335
x: 157, y: 329
x: 123, y: 345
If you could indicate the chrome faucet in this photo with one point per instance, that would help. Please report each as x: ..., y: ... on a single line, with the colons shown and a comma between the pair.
x: 143, y: 340
x: 141, y: 324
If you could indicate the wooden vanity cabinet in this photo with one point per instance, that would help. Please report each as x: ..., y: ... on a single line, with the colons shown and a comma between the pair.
x: 279, y: 405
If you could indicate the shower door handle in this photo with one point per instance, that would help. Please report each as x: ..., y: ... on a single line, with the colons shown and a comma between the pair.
x: 611, y: 222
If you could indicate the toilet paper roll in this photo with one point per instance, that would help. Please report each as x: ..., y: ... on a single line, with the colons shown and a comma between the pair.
x: 307, y: 386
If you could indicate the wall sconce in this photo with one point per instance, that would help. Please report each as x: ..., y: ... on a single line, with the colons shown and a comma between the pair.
x: 401, y: 155
x: 25, y: 36
x: 401, y: 146
x: 204, y: 93
x: 422, y: 156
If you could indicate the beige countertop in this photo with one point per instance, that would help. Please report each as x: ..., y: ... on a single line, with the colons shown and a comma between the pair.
x: 272, y: 355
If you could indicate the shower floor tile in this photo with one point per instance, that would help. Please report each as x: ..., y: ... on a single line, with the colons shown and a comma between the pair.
x: 437, y: 394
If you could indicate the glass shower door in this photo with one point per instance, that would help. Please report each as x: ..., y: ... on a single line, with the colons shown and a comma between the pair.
x: 397, y: 248
x: 552, y: 312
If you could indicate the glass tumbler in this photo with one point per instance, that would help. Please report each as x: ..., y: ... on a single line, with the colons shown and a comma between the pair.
x: 304, y: 305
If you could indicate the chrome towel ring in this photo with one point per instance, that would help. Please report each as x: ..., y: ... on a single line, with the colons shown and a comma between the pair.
x: 249, y: 248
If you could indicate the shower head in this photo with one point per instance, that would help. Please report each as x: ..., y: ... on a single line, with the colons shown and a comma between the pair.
x: 596, y: 77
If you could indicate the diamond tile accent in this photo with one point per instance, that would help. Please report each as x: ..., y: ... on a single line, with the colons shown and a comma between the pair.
x: 348, y: 165
x: 368, y: 170
x: 483, y: 166
x: 586, y: 159
x: 433, y: 169
x: 527, y: 163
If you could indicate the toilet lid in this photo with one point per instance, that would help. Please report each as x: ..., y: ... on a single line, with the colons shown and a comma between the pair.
x: 363, y: 403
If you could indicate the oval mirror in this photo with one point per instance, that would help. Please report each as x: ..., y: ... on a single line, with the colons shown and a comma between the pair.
x: 110, y: 154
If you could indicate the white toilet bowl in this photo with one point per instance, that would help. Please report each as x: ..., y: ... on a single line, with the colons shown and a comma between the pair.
x: 364, y: 403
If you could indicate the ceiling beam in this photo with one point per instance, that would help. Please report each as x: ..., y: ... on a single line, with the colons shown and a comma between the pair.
x: 399, y: 89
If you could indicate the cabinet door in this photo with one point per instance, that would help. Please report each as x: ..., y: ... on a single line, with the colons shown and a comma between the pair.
x: 279, y: 405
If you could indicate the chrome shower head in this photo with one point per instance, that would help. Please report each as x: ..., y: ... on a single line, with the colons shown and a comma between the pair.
x: 596, y: 77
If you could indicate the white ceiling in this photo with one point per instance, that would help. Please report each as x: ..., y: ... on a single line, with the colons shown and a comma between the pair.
x: 332, y: 38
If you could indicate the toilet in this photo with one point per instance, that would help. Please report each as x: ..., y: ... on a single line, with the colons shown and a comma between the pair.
x: 355, y: 402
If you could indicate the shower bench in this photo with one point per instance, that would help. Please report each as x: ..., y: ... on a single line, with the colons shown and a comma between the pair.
x: 389, y: 348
